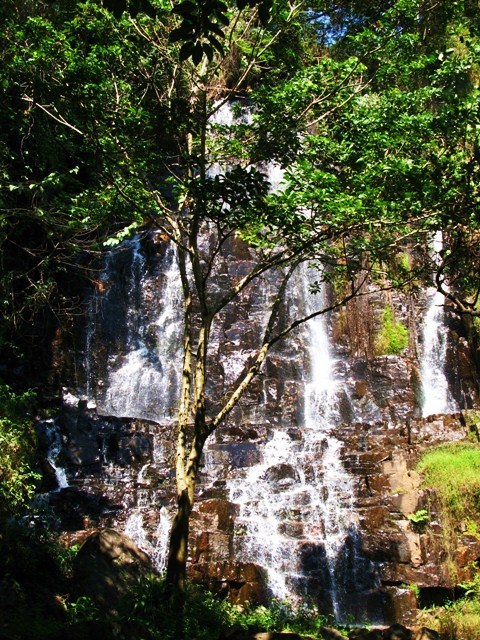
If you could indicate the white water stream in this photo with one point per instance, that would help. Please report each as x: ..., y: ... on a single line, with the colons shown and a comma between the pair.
x: 142, y: 379
x: 436, y: 394
x: 295, y: 507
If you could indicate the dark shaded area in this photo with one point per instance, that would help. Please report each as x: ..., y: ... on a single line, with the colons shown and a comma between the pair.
x: 75, y: 508
x: 437, y: 596
x: 47, y: 592
x: 134, y: 7
x: 31, y: 574
x: 347, y: 587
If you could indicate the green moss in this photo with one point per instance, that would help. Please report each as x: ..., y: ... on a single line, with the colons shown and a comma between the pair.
x: 392, y: 337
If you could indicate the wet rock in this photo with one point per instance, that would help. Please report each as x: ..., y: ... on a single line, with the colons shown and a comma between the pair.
x: 467, y: 556
x: 119, y: 467
x: 242, y: 582
x: 401, y: 606
x: 281, y: 474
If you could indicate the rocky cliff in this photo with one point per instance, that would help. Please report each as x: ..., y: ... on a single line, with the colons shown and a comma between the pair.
x: 308, y: 488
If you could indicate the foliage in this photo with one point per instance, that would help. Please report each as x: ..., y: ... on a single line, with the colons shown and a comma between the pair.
x: 208, y: 616
x: 17, y: 450
x: 111, y: 126
x: 282, y: 616
x: 452, y: 470
x: 393, y: 336
x: 82, y: 609
x: 458, y: 620
x: 419, y: 519
x: 70, y: 82
x: 205, y: 616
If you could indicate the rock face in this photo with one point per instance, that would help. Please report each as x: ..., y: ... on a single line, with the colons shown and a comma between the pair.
x: 330, y: 465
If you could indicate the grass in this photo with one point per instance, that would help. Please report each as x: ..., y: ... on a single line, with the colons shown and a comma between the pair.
x: 458, y: 620
x: 453, y: 471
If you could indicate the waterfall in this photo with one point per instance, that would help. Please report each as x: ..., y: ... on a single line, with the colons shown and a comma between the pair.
x: 436, y: 394
x: 321, y: 415
x: 138, y: 323
x: 156, y: 545
x: 295, y: 514
x: 51, y: 436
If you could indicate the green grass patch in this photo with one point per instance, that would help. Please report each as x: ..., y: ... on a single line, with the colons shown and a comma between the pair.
x: 453, y: 471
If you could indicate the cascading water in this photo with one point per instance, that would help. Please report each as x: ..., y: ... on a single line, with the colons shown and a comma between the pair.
x: 133, y: 369
x: 143, y: 374
x: 436, y: 394
x: 295, y: 515
x: 50, y: 434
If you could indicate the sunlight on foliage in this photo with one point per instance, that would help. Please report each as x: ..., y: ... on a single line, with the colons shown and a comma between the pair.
x: 453, y: 470
x: 17, y: 447
x: 393, y: 335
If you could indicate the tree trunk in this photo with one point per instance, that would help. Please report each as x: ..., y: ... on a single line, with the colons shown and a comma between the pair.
x: 177, y: 554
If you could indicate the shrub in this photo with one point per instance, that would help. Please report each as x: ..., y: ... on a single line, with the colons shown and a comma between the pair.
x: 17, y: 449
x: 393, y: 335
x: 206, y: 617
x: 210, y: 617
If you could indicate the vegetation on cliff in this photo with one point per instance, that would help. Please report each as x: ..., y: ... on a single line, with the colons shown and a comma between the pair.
x: 451, y: 474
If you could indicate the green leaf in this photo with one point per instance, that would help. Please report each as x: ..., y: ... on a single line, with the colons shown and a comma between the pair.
x: 181, y: 33
x: 218, y: 45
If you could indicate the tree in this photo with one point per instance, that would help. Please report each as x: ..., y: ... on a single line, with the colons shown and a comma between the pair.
x: 360, y: 181
x: 405, y: 149
x: 69, y: 83
x: 287, y: 229
x: 80, y: 85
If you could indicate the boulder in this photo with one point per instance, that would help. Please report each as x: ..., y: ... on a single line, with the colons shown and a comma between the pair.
x: 427, y: 634
x: 328, y: 633
x: 397, y: 632
x: 365, y: 634
x: 107, y: 564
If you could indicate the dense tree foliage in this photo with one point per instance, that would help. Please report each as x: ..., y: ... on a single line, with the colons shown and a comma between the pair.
x: 17, y: 451
x: 112, y: 115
